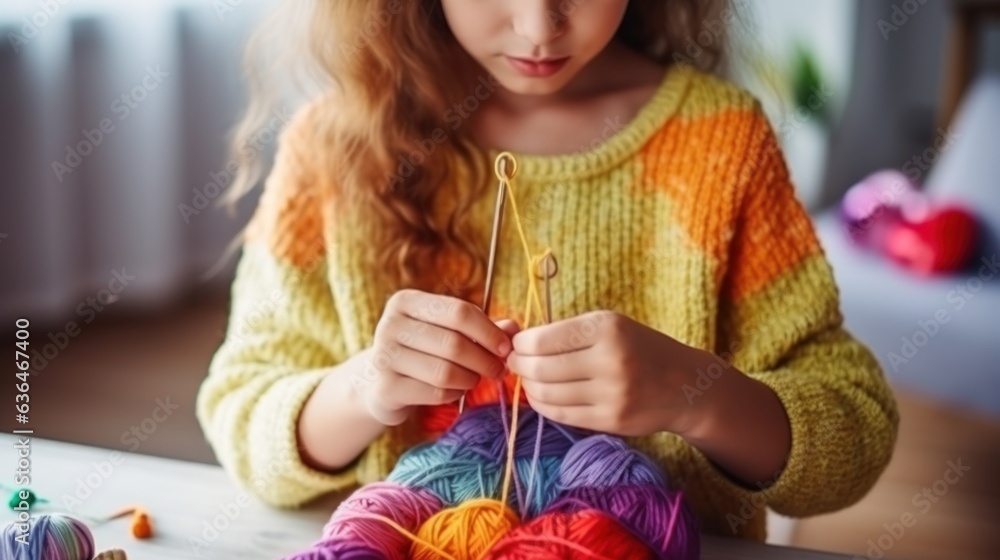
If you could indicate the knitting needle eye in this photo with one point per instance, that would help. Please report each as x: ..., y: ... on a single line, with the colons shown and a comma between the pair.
x: 548, y: 267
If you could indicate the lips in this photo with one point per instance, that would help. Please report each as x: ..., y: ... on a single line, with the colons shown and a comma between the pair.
x: 537, y: 68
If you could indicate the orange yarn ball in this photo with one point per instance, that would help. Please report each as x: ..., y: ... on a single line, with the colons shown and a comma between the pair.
x: 558, y: 536
x: 141, y: 527
x: 464, y: 532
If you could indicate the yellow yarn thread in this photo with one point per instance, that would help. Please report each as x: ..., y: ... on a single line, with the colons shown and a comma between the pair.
x: 532, y: 298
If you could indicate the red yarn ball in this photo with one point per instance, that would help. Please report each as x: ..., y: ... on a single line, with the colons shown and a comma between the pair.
x: 586, y: 534
x: 944, y: 242
x: 659, y: 518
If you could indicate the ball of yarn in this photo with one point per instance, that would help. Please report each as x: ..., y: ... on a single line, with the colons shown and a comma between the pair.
x: 483, y: 430
x: 453, y: 474
x: 873, y: 205
x: 29, y: 498
x: 556, y: 536
x: 601, y: 461
x: 50, y: 537
x: 945, y: 241
x: 457, y: 474
x: 354, y: 522
x: 339, y: 550
x: 660, y: 518
x: 468, y: 461
x: 464, y: 532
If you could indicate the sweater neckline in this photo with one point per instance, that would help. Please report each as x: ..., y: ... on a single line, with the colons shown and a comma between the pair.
x: 618, y: 147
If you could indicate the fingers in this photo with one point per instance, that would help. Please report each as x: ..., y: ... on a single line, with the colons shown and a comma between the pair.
x: 583, y: 416
x: 559, y: 394
x: 434, y: 371
x: 446, y: 344
x: 399, y: 392
x: 454, y: 314
x: 509, y: 326
x: 564, y: 368
x: 567, y: 335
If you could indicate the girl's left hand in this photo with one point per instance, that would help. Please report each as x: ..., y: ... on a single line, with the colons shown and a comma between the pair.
x: 604, y: 371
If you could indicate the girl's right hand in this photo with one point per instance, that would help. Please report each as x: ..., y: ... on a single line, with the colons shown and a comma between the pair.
x: 428, y: 350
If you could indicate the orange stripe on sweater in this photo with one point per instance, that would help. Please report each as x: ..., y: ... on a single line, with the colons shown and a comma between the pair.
x: 731, y: 196
x: 698, y: 167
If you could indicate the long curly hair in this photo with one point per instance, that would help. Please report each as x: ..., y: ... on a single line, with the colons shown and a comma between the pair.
x: 391, y: 70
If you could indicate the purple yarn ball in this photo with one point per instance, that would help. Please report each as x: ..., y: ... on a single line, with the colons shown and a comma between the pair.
x: 660, y: 518
x: 50, y: 537
x: 338, y: 550
x: 603, y: 461
x: 481, y: 430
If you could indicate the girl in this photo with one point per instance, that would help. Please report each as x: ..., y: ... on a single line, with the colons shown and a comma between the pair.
x: 696, y: 313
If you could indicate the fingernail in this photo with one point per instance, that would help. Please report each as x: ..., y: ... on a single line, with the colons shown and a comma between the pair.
x: 505, y: 348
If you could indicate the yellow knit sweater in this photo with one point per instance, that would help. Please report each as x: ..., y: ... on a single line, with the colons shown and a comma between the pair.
x: 685, y: 220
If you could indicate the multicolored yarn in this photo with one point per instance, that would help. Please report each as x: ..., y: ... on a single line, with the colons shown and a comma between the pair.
x: 664, y: 522
x: 467, y: 461
x: 376, y: 519
x: 557, y: 536
x: 50, y: 537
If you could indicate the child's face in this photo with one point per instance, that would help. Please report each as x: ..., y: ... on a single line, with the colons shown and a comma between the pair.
x: 534, y: 47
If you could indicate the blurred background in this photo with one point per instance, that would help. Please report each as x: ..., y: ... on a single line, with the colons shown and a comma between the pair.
x: 115, y: 118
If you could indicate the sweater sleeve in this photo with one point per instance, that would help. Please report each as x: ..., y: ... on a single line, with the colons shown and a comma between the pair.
x: 780, y: 323
x: 282, y: 337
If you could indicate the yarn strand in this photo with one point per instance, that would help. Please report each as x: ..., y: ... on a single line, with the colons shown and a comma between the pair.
x: 505, y: 175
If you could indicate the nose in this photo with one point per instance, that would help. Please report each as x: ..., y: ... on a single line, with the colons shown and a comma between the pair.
x: 538, y: 21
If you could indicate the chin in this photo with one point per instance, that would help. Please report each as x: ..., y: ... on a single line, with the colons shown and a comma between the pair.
x: 523, y: 85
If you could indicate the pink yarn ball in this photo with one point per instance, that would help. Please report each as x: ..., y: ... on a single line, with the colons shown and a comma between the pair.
x: 876, y: 204
x: 408, y: 507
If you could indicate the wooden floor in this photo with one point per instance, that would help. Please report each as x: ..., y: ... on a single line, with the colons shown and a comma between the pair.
x: 108, y: 379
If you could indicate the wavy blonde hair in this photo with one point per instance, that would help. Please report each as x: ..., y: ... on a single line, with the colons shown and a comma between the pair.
x: 394, y: 69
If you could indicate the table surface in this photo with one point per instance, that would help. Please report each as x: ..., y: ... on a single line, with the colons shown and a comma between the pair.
x: 198, y: 511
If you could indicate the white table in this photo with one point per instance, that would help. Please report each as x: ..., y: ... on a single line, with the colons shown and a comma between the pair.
x: 184, y: 499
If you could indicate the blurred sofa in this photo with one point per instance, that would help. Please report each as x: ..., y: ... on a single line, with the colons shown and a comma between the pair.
x: 939, y: 336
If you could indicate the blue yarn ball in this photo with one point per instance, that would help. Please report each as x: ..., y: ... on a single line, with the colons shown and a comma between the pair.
x: 468, y: 461
x: 457, y: 475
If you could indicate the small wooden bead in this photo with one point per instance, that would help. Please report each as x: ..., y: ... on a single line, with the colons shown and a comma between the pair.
x: 113, y: 554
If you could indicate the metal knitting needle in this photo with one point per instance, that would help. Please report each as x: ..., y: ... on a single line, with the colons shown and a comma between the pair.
x: 505, y: 167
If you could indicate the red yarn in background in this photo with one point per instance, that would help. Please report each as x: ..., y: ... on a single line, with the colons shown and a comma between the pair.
x: 943, y: 242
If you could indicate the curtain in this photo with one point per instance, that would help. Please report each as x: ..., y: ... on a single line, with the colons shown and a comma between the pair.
x: 896, y: 90
x: 113, y: 114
